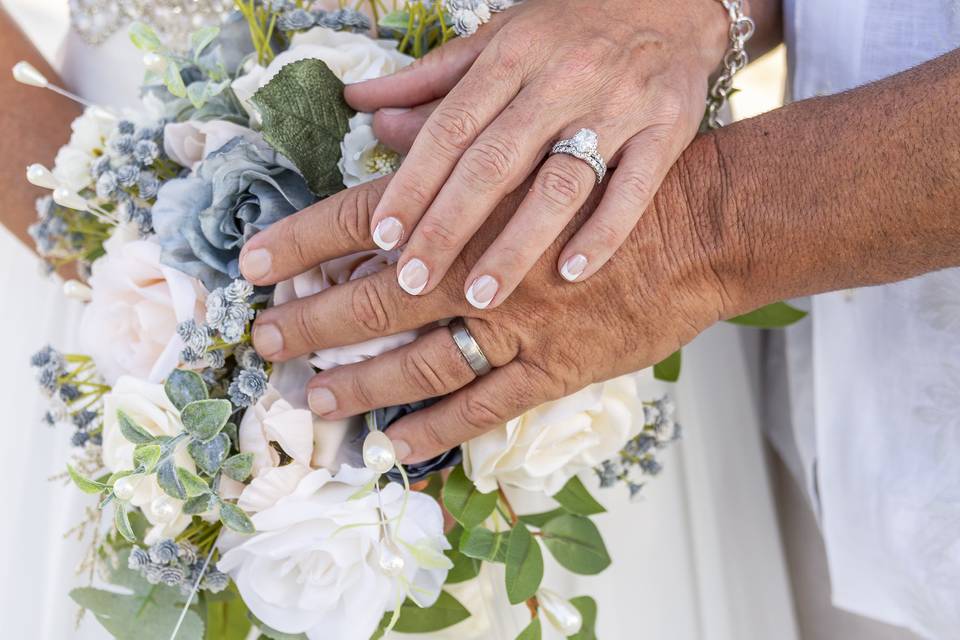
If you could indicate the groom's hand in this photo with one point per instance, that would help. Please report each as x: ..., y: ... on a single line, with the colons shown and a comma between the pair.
x: 548, y: 340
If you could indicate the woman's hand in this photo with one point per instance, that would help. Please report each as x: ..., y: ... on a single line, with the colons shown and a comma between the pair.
x: 634, y: 71
x: 547, y: 341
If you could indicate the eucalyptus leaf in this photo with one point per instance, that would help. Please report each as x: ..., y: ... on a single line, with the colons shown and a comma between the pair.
x: 576, y: 543
x: 201, y: 38
x: 587, y: 607
x: 234, y: 518
x: 210, y: 455
x: 483, y: 544
x: 398, y: 20
x: 200, y: 504
x: 132, y: 431
x: 173, y: 80
x: 203, y: 419
x: 464, y: 502
x: 305, y: 118
x: 540, y: 519
x: 668, y: 370
x: 146, y: 457
x: 122, y: 523
x: 233, y: 433
x: 169, y: 481
x: 144, y: 37
x: 85, y: 484
x: 183, y: 387
x: 524, y: 565
x: 533, y: 631
x: 446, y: 612
x: 227, y: 619
x: 575, y: 498
x: 772, y: 316
x: 239, y: 466
x: 193, y: 484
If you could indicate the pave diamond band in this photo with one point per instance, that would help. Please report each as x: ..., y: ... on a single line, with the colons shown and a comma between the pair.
x: 583, y: 146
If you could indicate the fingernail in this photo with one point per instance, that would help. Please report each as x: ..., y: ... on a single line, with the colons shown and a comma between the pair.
x: 394, y: 111
x: 387, y: 233
x: 255, y: 264
x: 322, y: 401
x: 574, y: 267
x: 413, y: 277
x: 401, y: 450
x: 267, y: 340
x: 482, y: 291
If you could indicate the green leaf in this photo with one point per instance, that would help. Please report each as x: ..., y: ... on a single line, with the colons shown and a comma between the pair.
x: 576, y: 499
x: 524, y: 565
x: 203, y: 419
x: 201, y: 38
x: 209, y: 456
x: 227, y: 619
x: 184, y: 387
x: 446, y: 612
x: 668, y: 370
x: 464, y: 502
x: 122, y: 522
x: 576, y: 544
x: 200, y: 504
x: 146, y: 457
x: 85, y: 484
x: 398, y: 20
x: 169, y: 480
x: 587, y: 607
x: 273, y: 634
x: 540, y: 519
x: 144, y: 37
x: 234, y: 518
x: 233, y: 433
x: 132, y: 431
x: 532, y: 632
x: 239, y: 466
x: 772, y: 316
x: 484, y: 544
x: 464, y: 567
x: 193, y: 484
x: 173, y: 81
x: 305, y: 118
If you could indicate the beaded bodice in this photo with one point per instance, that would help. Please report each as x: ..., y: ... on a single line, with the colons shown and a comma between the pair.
x: 97, y: 20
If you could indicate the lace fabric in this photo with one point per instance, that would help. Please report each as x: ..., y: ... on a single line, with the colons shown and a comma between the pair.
x: 96, y: 20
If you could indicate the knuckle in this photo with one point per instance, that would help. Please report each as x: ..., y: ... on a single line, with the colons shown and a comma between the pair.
x: 490, y: 160
x: 368, y: 307
x: 508, y: 55
x: 605, y: 234
x: 478, y: 413
x: 434, y: 437
x: 354, y: 213
x: 558, y: 185
x: 295, y: 240
x: 453, y: 128
x: 416, y: 193
x: 417, y: 368
x: 636, y: 189
x: 360, y: 390
x: 439, y: 235
x: 305, y: 322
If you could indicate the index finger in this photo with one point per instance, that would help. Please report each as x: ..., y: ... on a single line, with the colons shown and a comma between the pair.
x: 334, y: 227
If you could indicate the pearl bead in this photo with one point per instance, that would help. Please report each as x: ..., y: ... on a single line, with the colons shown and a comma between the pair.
x: 39, y: 176
x: 378, y: 453
x: 124, y: 487
x: 561, y: 614
x: 391, y: 562
x: 66, y: 198
x: 26, y: 73
x: 163, y: 509
x: 78, y: 291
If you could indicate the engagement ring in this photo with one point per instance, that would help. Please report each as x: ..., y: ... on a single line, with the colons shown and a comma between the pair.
x: 583, y: 146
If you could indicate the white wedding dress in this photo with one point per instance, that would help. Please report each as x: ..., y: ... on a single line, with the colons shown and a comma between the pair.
x: 698, y: 557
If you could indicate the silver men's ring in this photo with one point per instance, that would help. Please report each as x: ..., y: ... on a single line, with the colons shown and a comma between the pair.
x: 469, y: 348
x: 583, y: 146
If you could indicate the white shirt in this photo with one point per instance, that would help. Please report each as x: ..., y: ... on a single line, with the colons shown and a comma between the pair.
x: 874, y: 374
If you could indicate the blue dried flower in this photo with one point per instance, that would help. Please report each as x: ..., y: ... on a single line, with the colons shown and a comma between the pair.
x: 148, y: 184
x: 127, y: 175
x: 248, y: 358
x: 138, y: 559
x: 79, y: 438
x: 69, y: 393
x: 164, y: 552
x: 82, y: 419
x: 146, y: 152
x: 203, y: 221
x: 96, y: 439
x: 252, y: 382
x: 171, y: 576
x: 215, y: 581
x: 126, y: 127
x: 122, y: 144
x: 295, y: 20
x: 344, y: 20
x: 215, y: 359
x: 107, y: 185
x: 99, y: 166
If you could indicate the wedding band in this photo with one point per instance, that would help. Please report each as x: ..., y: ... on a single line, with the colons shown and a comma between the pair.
x: 469, y: 348
x: 583, y: 146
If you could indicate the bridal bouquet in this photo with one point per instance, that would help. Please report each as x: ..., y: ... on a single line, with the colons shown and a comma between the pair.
x: 225, y: 508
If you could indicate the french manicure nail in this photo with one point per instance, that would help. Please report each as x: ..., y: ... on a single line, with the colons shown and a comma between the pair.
x: 267, y: 340
x: 322, y: 401
x: 401, y: 450
x: 256, y: 264
x: 482, y: 291
x: 574, y: 267
x: 413, y: 277
x: 387, y: 233
x: 394, y: 111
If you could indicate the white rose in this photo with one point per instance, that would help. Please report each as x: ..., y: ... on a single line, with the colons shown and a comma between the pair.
x: 330, y: 274
x: 87, y: 141
x: 188, y: 143
x: 545, y: 447
x: 148, y: 406
x: 130, y: 325
x: 307, y: 570
x: 352, y: 57
x: 362, y: 157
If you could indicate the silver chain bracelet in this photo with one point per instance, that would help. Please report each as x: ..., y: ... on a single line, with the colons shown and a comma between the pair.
x: 735, y: 59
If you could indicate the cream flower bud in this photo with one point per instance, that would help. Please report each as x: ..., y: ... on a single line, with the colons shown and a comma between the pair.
x: 66, y: 198
x: 559, y: 612
x: 26, y: 73
x: 77, y: 290
x: 39, y: 176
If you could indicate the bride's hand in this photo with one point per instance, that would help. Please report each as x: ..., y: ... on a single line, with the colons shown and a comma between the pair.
x: 634, y: 71
x: 547, y: 341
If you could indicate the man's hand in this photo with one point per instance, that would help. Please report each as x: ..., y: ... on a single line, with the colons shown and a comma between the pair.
x: 548, y: 340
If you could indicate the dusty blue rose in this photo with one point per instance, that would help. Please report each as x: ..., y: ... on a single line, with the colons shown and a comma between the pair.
x: 203, y: 220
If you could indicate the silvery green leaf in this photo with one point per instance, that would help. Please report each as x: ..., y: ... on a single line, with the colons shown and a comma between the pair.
x: 85, y: 484
x: 239, y: 466
x: 200, y: 504
x: 144, y: 37
x: 234, y: 518
x: 171, y: 78
x: 210, y: 455
x: 169, y: 481
x: 193, y: 484
x: 133, y: 431
x: 122, y: 522
x: 203, y: 419
x: 233, y: 433
x: 201, y: 38
x: 146, y: 457
x: 398, y: 20
x: 184, y: 387
x: 305, y: 118
x: 112, y: 479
